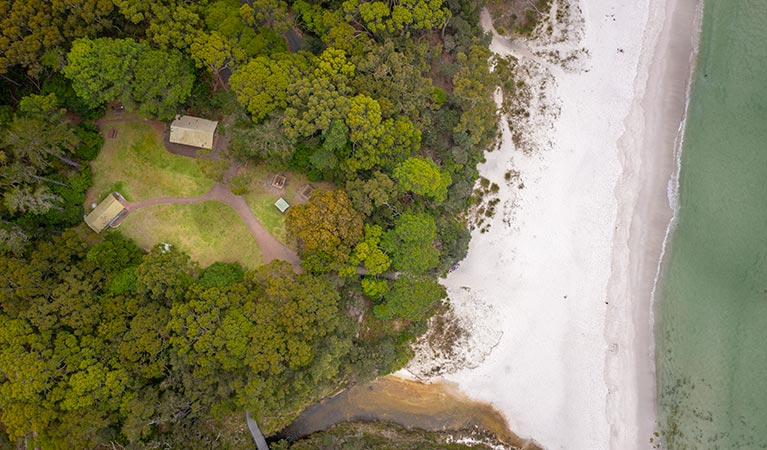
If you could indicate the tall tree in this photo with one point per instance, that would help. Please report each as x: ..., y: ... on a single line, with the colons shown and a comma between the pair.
x: 411, y: 243
x: 473, y: 87
x: 36, y: 144
x: 374, y: 193
x: 216, y: 53
x: 380, y: 17
x: 262, y: 84
x: 395, y: 76
x: 269, y: 13
x: 102, y: 69
x: 31, y: 28
x: 162, y: 81
x: 165, y: 274
x: 410, y: 298
x: 326, y: 228
x: 422, y: 176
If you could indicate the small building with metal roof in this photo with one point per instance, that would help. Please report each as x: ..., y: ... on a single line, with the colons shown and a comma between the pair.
x: 282, y: 205
x: 106, y: 213
x: 193, y: 131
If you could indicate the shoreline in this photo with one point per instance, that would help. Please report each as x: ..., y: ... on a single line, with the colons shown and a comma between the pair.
x: 564, y: 272
x: 646, y: 196
x: 396, y: 399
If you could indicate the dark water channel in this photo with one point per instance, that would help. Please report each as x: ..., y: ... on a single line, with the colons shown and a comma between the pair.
x: 430, y: 407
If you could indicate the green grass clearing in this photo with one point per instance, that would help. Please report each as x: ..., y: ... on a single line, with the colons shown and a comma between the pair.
x: 138, y: 166
x: 207, y: 232
x: 260, y: 197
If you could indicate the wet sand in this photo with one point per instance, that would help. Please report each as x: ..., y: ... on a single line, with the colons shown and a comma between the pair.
x: 430, y: 407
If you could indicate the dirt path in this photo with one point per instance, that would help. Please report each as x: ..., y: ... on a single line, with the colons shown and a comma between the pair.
x: 271, y: 248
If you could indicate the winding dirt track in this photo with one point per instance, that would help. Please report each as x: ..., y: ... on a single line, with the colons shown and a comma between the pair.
x: 271, y: 248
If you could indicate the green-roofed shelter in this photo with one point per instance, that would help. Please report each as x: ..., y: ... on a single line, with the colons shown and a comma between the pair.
x: 282, y: 205
x: 106, y: 213
x: 193, y: 131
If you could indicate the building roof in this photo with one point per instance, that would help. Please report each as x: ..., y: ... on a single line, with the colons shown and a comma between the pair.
x: 194, y: 131
x: 105, y: 213
x: 282, y: 205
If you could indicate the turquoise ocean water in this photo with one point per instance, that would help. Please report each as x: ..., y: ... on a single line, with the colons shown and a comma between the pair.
x: 711, y: 327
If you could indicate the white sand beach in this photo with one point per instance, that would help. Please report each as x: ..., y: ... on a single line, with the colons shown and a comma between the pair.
x: 568, y: 266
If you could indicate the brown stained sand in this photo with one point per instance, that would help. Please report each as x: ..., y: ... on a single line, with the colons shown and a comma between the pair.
x: 431, y: 407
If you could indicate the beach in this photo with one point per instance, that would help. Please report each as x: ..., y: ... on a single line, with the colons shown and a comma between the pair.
x: 565, y: 274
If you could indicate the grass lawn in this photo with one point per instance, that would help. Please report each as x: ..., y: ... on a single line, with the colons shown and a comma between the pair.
x: 207, y: 232
x: 137, y: 165
x: 261, y: 197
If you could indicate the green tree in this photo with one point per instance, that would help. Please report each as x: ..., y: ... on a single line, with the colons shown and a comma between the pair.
x: 173, y: 26
x: 364, y: 119
x: 317, y: 100
x: 161, y: 82
x: 115, y: 253
x: 221, y: 275
x: 102, y: 70
x: 216, y: 53
x: 368, y: 253
x: 313, y: 105
x: 422, y: 176
x: 30, y: 30
x: 411, y: 243
x: 262, y: 84
x: 473, y: 88
x: 334, y: 143
x: 41, y: 107
x: 69, y: 388
x: 269, y: 340
x: 379, y: 17
x: 410, y: 298
x: 165, y: 274
x: 167, y: 23
x: 371, y: 194
x: 269, y: 13
x: 374, y: 288
x: 326, y: 228
x: 394, y: 76
x: 336, y: 137
x: 223, y: 16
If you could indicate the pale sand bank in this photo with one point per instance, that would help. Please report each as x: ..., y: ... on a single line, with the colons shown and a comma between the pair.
x: 567, y: 268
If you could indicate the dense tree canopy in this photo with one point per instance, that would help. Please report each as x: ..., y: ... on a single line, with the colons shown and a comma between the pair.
x: 92, y: 359
x: 410, y: 298
x: 32, y: 31
x: 103, y: 70
x: 386, y: 105
x: 421, y: 176
x: 262, y: 84
x: 411, y: 243
x: 326, y: 228
x: 162, y: 81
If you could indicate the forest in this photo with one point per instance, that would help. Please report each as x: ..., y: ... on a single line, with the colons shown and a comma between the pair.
x: 103, y: 344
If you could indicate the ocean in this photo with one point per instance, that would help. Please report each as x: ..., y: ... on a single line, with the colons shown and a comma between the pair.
x: 711, y: 317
